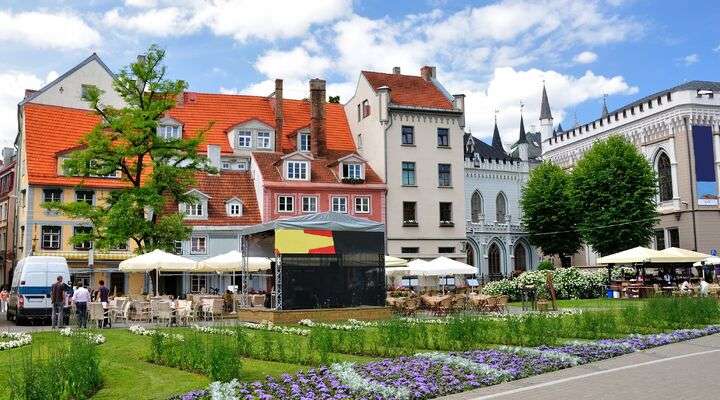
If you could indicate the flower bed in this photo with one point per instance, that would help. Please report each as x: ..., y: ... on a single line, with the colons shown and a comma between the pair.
x: 429, y: 375
x: 139, y: 330
x: 94, y: 338
x: 17, y: 339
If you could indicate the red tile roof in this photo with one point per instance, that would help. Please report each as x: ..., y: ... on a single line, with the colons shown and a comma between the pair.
x: 222, y: 188
x: 50, y: 130
x: 323, y: 170
x: 409, y: 90
x: 224, y: 111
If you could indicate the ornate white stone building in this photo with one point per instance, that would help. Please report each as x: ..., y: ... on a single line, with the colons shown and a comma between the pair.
x: 497, y: 244
x: 678, y: 130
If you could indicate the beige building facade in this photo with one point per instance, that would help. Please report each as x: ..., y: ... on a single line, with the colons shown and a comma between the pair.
x: 410, y: 130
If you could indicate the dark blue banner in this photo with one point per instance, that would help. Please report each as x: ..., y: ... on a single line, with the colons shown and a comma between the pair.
x: 706, y: 179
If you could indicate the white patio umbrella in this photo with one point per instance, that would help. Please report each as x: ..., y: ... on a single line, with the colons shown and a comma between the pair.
x: 231, y: 262
x: 391, y: 261
x: 443, y: 266
x: 708, y: 261
x: 631, y: 256
x: 157, y: 260
x: 678, y: 255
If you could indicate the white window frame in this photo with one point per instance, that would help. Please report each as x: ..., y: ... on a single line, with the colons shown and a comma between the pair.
x: 364, y: 208
x: 302, y: 173
x: 197, y: 250
x: 315, y: 203
x: 263, y: 140
x: 229, y: 208
x: 342, y: 210
x: 243, y: 136
x: 169, y: 131
x: 360, y: 170
x: 304, y: 142
x: 196, y: 210
x: 291, y: 204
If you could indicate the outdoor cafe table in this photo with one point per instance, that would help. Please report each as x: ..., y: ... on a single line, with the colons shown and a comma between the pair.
x: 434, y: 301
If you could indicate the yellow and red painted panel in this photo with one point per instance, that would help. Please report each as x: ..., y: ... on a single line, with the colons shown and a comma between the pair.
x: 304, y: 241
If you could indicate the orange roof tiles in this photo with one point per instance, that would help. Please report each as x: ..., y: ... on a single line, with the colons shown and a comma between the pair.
x: 270, y: 168
x: 222, y: 188
x: 224, y: 111
x: 50, y: 130
x: 409, y: 90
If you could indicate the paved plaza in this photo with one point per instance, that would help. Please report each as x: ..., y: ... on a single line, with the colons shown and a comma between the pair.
x: 685, y: 370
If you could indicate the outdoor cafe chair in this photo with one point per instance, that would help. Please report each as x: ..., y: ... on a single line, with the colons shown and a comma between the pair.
x: 96, y: 313
x: 501, y: 303
x: 490, y: 304
x: 163, y: 312
x: 459, y: 301
x: 122, y: 312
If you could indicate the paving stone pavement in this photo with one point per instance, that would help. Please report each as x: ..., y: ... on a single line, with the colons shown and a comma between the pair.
x: 682, y: 371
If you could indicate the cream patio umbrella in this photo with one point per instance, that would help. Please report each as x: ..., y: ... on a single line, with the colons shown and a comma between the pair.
x: 635, y: 255
x: 231, y: 262
x: 157, y: 260
x: 678, y: 255
x: 708, y: 261
x: 391, y: 262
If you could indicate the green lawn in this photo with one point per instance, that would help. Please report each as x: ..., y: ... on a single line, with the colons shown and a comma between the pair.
x: 600, y: 303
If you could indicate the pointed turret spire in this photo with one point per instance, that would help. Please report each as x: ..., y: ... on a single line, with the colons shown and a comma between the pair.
x: 523, y: 136
x: 497, y: 142
x: 559, y: 128
x: 604, y: 109
x: 545, y: 105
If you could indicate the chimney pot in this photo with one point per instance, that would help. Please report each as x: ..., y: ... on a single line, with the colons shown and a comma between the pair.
x: 279, y: 117
x: 427, y: 72
x: 396, y: 70
x: 317, y: 117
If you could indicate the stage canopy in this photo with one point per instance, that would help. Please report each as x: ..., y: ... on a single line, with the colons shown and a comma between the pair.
x: 678, y: 255
x: 157, y: 260
x: 232, y: 261
x: 321, y: 221
x: 631, y: 256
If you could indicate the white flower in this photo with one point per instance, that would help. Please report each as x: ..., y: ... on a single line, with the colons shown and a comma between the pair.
x: 565, y: 358
x: 461, y: 362
x: 95, y: 338
x: 224, y: 391
x: 139, y: 330
x: 357, y: 384
x: 17, y: 339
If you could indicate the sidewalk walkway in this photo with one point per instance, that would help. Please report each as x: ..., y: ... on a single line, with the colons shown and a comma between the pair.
x: 685, y: 370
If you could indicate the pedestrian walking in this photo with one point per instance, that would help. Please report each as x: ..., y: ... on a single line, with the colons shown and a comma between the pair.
x: 4, y: 295
x: 57, y: 298
x: 104, y: 295
x: 81, y: 297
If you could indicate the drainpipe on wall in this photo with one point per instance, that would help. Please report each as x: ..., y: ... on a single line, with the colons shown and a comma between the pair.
x: 692, y: 182
x: 384, y: 100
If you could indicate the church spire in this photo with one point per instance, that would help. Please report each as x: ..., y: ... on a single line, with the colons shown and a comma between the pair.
x: 604, y: 109
x: 496, y: 141
x: 523, y: 136
x: 545, y: 106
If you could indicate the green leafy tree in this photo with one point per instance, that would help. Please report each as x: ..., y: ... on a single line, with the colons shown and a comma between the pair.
x: 614, y: 188
x: 155, y: 169
x: 548, y: 213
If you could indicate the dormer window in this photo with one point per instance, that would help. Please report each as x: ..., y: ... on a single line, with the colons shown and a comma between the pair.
x: 243, y: 139
x: 197, y: 209
x: 169, y: 132
x: 304, y: 142
x: 352, y: 171
x: 296, y: 170
x: 234, y: 207
x: 263, y: 140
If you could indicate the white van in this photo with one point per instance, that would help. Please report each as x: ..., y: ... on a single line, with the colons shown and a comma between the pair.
x: 30, y: 291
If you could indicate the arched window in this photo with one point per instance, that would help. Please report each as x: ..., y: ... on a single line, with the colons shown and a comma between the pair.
x: 520, y: 257
x: 500, y: 208
x: 475, y: 207
x: 494, y: 260
x: 664, y: 177
x: 470, y: 255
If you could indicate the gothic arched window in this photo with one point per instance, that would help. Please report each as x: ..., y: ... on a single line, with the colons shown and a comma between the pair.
x: 500, y: 208
x: 494, y: 260
x: 520, y: 257
x: 664, y: 177
x: 475, y: 207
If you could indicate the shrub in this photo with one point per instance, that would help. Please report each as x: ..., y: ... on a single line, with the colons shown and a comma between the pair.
x: 545, y: 265
x: 507, y: 287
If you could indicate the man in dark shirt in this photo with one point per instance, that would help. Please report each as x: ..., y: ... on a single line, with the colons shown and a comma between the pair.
x: 57, y: 298
x: 104, y: 294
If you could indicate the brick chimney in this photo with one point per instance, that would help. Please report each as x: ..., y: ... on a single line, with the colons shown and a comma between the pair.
x: 427, y: 72
x: 318, y: 143
x: 279, y: 119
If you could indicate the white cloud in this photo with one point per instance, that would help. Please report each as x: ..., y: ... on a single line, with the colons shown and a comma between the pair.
x: 586, y: 57
x: 508, y: 87
x: 141, y: 3
x: 294, y: 64
x: 239, y: 19
x: 717, y: 48
x: 58, y: 30
x: 12, y: 91
x: 690, y: 59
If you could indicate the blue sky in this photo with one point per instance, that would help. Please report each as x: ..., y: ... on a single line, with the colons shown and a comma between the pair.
x: 497, y: 53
